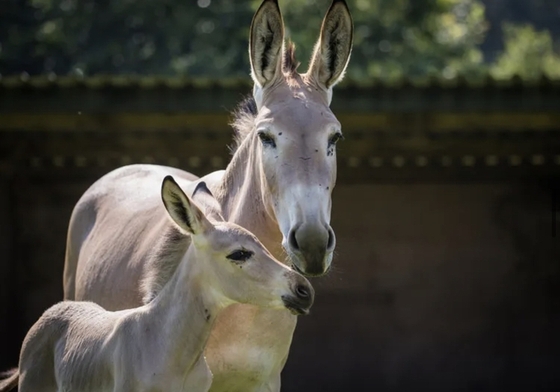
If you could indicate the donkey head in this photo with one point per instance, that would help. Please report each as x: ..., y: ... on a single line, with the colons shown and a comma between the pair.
x: 298, y: 131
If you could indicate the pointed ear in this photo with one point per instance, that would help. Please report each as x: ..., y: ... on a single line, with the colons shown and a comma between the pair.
x: 204, y: 198
x: 181, y: 209
x: 266, y: 39
x: 332, y: 50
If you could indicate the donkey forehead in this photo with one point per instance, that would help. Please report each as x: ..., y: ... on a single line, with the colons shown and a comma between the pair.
x: 298, y: 118
x: 297, y: 114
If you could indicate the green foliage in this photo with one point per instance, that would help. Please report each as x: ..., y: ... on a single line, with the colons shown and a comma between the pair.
x: 393, y: 38
x: 203, y: 37
x: 528, y: 53
x: 396, y: 38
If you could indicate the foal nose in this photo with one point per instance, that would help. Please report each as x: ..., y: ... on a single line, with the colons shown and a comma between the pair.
x: 312, y: 246
x: 304, y: 294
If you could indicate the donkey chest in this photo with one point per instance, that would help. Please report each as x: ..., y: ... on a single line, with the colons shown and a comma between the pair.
x: 196, y: 379
x: 244, y: 377
x: 248, y: 347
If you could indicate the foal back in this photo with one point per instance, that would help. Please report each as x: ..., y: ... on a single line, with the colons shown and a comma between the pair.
x: 62, y: 337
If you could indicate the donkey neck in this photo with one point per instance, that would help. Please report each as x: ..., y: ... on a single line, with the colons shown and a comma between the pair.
x: 177, y: 323
x: 243, y: 195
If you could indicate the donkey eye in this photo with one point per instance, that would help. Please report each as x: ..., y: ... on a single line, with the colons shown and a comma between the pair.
x: 240, y: 255
x: 266, y: 139
x: 335, y: 138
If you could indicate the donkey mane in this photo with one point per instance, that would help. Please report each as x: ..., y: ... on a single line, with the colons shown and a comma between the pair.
x: 246, y: 112
x: 290, y: 64
x: 243, y: 118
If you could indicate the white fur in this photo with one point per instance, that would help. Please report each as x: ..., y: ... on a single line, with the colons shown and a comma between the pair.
x: 120, y: 251
x: 79, y: 346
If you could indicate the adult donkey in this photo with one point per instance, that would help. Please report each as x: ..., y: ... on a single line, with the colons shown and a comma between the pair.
x: 121, y: 249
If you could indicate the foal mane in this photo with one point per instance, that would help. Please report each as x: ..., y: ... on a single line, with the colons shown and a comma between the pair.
x: 246, y: 112
x: 164, y: 260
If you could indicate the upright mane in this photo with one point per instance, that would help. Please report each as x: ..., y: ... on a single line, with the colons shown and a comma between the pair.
x: 243, y: 118
x: 246, y: 112
x: 290, y: 64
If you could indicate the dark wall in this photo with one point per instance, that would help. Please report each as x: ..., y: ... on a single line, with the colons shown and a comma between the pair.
x: 7, y: 312
x: 446, y: 275
x: 435, y: 286
x: 31, y: 273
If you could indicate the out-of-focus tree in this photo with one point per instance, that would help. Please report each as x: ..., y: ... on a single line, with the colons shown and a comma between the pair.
x: 19, y: 23
x: 541, y: 14
x: 393, y: 38
x: 528, y: 53
x: 198, y: 37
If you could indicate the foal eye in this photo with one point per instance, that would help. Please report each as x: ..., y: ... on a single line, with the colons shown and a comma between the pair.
x: 266, y: 139
x: 240, y: 255
x: 335, y: 138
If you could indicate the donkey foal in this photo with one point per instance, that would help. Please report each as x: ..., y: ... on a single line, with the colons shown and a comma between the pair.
x: 79, y: 346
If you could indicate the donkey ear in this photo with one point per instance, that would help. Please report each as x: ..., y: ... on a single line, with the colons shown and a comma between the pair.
x: 266, y: 39
x: 332, y: 50
x: 181, y: 209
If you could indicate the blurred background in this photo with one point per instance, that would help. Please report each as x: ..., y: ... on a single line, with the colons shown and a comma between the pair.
x: 447, y: 208
x: 393, y: 39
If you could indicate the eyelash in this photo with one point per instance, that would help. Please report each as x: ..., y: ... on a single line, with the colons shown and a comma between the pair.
x: 335, y: 138
x: 240, y: 256
x: 267, y: 139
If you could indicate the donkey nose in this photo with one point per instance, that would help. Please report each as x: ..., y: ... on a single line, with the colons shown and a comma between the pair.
x: 293, y: 241
x: 311, y: 246
x: 331, y: 241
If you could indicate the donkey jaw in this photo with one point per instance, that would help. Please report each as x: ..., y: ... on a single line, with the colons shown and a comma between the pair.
x: 316, y: 270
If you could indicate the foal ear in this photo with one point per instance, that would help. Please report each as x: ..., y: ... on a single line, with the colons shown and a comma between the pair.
x: 332, y: 50
x: 204, y: 198
x: 266, y: 39
x: 181, y: 209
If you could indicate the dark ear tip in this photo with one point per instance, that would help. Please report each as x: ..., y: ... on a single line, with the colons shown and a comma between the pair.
x: 202, y: 187
x: 339, y: 7
x: 268, y: 3
x: 339, y: 3
x: 168, y: 180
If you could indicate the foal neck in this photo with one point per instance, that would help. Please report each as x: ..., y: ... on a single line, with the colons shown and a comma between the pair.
x: 177, y: 323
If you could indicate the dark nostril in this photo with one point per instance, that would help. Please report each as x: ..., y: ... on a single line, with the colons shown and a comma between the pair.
x: 292, y: 240
x: 330, y: 241
x: 302, y: 291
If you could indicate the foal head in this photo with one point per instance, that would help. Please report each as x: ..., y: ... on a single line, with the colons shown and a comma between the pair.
x: 294, y: 132
x: 236, y: 265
